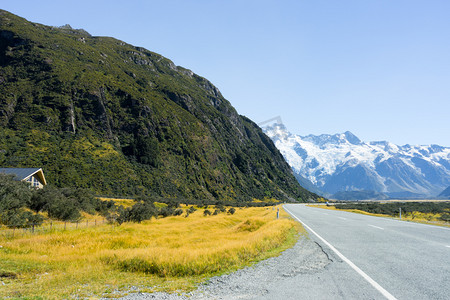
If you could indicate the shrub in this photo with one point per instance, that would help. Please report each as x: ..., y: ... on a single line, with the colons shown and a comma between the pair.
x: 13, y: 194
x: 191, y: 209
x: 21, y: 218
x: 14, y: 197
x: 139, y: 212
x: 56, y: 204
x: 142, y: 211
x: 445, y: 217
x: 206, y: 212
x: 232, y: 210
x: 166, y: 211
x: 221, y: 208
x: 178, y: 212
x: 85, y: 199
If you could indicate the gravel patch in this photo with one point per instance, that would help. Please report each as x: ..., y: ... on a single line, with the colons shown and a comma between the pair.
x: 306, y: 257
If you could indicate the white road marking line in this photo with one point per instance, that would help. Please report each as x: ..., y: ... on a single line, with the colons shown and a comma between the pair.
x: 447, y: 246
x: 351, y: 264
x: 342, y: 218
x: 376, y: 227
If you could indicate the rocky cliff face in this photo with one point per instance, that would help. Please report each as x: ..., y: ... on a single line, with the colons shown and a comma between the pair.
x: 100, y: 113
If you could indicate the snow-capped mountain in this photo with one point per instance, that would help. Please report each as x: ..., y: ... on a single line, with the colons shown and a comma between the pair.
x: 342, y: 162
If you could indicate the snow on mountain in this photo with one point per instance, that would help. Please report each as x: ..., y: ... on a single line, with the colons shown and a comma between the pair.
x: 342, y: 162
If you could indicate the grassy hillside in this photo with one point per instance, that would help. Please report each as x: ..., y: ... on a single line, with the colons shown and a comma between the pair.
x: 98, y: 113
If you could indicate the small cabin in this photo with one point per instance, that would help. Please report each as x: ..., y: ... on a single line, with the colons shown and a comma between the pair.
x: 34, y: 176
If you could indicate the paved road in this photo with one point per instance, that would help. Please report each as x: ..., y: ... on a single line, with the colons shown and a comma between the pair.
x: 381, y: 258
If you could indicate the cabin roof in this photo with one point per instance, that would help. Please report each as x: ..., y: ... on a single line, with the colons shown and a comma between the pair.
x: 24, y: 173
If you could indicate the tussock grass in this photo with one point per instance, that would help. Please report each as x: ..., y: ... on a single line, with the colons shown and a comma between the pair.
x: 168, y: 254
x: 122, y: 202
x: 414, y: 216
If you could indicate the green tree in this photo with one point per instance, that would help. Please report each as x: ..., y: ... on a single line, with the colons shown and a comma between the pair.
x: 142, y: 211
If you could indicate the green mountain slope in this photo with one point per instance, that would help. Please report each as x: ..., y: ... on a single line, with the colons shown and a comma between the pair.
x: 96, y: 112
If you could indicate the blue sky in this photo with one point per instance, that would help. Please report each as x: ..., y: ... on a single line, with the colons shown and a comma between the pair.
x: 378, y: 68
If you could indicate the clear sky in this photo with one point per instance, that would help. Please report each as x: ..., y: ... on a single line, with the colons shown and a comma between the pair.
x: 378, y: 68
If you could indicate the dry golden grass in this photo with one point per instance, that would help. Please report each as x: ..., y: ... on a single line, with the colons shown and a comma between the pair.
x: 174, y: 253
x: 123, y: 202
x: 418, y: 217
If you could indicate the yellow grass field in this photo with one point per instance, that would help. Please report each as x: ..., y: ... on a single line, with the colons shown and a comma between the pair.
x: 123, y: 202
x: 168, y: 254
x: 415, y: 216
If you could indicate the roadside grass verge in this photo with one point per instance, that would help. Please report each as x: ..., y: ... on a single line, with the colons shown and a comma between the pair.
x: 411, y: 216
x: 167, y: 254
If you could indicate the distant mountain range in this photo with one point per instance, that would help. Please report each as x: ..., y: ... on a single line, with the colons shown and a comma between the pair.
x: 348, y: 168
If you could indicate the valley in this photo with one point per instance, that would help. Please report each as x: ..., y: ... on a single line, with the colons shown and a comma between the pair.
x: 156, y: 187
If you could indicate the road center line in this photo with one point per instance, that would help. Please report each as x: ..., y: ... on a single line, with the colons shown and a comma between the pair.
x: 349, y: 262
x: 376, y: 227
x: 447, y: 246
x: 342, y: 218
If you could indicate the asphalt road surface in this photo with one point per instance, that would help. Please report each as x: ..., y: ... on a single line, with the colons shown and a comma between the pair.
x: 374, y: 258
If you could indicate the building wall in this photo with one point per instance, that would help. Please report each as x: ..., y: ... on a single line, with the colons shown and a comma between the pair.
x: 34, y: 181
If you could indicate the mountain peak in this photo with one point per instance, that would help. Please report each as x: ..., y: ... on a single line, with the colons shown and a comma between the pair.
x: 351, y: 138
x: 342, y: 162
x: 335, y: 139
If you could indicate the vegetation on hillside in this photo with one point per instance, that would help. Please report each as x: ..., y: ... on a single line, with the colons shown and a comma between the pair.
x: 97, y: 113
x: 24, y: 207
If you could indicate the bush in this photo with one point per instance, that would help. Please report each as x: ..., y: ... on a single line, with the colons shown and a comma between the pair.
x: 141, y: 211
x: 206, y: 212
x: 178, y: 212
x: 445, y: 217
x: 232, y: 210
x: 85, y: 199
x: 166, y: 211
x: 221, y: 208
x: 21, y: 218
x: 14, y: 197
x: 56, y: 204
x: 13, y: 194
